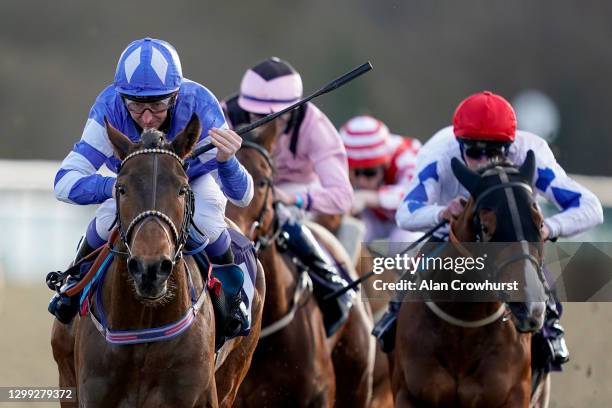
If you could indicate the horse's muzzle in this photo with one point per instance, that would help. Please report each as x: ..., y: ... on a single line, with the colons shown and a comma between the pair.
x: 528, y: 317
x: 150, y: 276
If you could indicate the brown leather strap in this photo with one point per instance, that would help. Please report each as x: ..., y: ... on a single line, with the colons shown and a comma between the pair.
x: 101, y: 252
x: 458, y: 245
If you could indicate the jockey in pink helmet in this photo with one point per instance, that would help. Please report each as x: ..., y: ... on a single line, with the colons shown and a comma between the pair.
x: 309, y: 154
x: 381, y: 166
x: 311, y: 168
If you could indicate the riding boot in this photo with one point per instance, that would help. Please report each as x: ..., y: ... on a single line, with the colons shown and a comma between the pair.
x: 556, y: 333
x: 225, y: 258
x: 549, y: 346
x: 64, y: 307
x: 326, y: 279
x: 384, y: 329
x: 228, y: 299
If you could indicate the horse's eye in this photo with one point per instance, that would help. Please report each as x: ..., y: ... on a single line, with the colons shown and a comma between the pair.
x: 183, y: 190
x: 120, y: 189
x: 262, y: 183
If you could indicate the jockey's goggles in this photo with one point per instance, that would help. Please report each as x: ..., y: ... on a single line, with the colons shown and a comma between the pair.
x: 476, y: 150
x: 139, y: 107
x: 367, y: 172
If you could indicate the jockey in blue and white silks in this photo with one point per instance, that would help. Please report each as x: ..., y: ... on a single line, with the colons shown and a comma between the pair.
x: 435, y: 186
x: 77, y: 182
x: 484, y: 128
x: 149, y: 91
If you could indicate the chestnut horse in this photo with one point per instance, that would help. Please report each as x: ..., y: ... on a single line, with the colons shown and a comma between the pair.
x: 295, y: 364
x: 471, y: 354
x: 154, y: 288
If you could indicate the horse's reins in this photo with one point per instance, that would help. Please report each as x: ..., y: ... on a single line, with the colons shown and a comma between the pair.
x: 179, y: 236
x: 304, y: 284
x: 263, y: 241
x: 508, y: 187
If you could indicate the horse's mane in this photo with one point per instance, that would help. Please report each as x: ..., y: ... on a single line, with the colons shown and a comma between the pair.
x: 496, y: 162
x: 153, y: 139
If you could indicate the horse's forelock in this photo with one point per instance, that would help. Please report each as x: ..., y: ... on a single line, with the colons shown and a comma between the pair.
x: 494, y: 164
x: 153, y: 139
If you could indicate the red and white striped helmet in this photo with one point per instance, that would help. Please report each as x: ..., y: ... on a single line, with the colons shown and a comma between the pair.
x: 365, y: 139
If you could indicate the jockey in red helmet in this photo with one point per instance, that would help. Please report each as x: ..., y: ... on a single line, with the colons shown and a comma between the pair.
x: 381, y: 166
x: 484, y: 128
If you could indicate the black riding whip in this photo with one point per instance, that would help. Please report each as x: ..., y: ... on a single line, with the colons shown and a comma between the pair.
x: 336, y: 83
x: 368, y: 275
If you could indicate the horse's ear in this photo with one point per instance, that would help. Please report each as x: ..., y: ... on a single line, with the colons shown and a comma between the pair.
x: 468, y: 178
x: 121, y: 143
x: 183, y: 142
x: 527, y: 169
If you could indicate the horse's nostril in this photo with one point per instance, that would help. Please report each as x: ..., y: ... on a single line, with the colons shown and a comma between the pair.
x: 133, y: 266
x: 165, y: 267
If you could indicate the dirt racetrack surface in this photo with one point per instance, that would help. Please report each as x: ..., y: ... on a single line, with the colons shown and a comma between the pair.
x: 25, y: 352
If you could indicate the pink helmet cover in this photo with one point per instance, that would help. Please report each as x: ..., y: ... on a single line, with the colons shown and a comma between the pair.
x: 264, y: 97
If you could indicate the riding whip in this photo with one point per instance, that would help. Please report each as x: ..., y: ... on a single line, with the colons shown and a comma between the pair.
x: 336, y: 83
x: 368, y: 275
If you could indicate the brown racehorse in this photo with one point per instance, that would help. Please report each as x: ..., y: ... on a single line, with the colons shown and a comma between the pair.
x: 297, y: 365
x: 382, y: 396
x: 150, y: 290
x: 459, y: 354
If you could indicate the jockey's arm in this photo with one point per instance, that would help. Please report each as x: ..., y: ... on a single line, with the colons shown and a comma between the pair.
x: 390, y: 196
x: 234, y: 180
x: 580, y: 209
x: 420, y: 209
x: 76, y: 181
x: 334, y: 195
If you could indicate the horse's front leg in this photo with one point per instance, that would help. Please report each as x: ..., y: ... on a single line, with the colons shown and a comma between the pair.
x: 210, y: 398
x: 62, y: 345
x: 518, y: 396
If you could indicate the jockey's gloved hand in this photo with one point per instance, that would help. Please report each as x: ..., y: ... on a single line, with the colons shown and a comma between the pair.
x: 285, y: 198
x: 226, y: 141
x: 453, y: 209
x: 363, y: 199
x: 546, y: 233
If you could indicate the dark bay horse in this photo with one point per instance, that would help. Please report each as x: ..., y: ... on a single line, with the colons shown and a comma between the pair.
x: 155, y: 288
x: 295, y: 364
x: 473, y: 354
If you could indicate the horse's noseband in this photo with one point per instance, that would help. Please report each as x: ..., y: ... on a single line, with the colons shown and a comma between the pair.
x: 180, y: 236
x: 509, y: 187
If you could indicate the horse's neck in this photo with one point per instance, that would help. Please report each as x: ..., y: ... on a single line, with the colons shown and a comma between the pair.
x: 268, y: 139
x: 280, y: 284
x: 461, y: 307
x: 125, y: 311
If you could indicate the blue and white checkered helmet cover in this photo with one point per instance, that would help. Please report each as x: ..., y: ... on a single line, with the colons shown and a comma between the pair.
x: 148, y: 67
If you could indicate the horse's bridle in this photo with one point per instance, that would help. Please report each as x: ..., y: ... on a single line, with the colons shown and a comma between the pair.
x: 180, y: 235
x: 508, y: 187
x: 263, y: 241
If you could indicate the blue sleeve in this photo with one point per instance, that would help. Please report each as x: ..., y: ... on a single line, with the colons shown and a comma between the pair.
x: 234, y: 179
x: 210, y: 113
x: 92, y: 189
x: 76, y: 181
